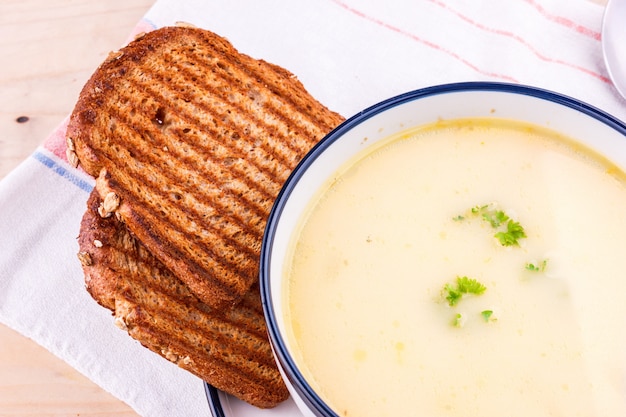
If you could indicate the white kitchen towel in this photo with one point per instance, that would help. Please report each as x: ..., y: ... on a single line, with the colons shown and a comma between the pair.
x: 349, y: 54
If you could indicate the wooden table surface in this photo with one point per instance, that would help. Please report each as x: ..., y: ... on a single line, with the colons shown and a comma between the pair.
x: 48, y: 50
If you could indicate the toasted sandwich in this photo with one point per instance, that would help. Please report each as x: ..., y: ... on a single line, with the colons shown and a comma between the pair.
x: 227, y: 348
x: 190, y: 142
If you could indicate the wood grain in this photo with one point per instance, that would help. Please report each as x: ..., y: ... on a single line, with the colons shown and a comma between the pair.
x: 33, y: 382
x: 49, y: 49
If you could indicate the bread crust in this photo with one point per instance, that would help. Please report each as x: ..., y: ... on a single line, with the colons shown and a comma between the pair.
x: 227, y: 348
x: 195, y: 140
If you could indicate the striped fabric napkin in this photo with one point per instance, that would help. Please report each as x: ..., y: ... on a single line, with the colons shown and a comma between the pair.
x: 349, y: 54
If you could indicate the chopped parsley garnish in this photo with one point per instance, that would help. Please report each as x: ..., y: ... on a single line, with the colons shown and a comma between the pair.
x: 537, y: 267
x: 498, y: 219
x: 514, y: 232
x: 486, y: 314
x: 464, y: 285
x: 508, y: 232
x: 459, y: 320
x: 478, y: 209
x: 495, y: 218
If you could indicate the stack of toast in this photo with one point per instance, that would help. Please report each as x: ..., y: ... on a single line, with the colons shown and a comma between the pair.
x: 190, y: 142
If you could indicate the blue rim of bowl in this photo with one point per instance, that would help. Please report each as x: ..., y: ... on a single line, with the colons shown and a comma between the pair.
x: 213, y: 397
x: 285, y: 360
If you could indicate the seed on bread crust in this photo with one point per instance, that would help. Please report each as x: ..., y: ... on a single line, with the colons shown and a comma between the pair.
x: 169, y: 355
x: 70, y: 144
x: 119, y: 322
x: 85, y: 258
x: 111, y: 202
x: 181, y: 24
x: 102, y: 212
x: 72, y: 158
x: 113, y: 55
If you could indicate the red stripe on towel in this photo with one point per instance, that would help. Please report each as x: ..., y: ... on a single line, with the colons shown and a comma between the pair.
x: 425, y: 42
x: 521, y: 41
x: 565, y: 21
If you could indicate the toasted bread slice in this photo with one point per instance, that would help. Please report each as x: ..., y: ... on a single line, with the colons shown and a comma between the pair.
x: 228, y: 349
x: 190, y: 142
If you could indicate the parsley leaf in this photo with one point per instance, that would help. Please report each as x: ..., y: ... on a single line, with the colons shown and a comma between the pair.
x: 464, y: 285
x: 514, y: 232
x: 454, y: 295
x: 495, y: 218
x: 540, y: 267
x: 470, y: 286
x: 478, y: 209
x: 486, y: 314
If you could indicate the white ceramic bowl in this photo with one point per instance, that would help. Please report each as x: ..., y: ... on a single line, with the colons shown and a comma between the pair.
x: 579, y: 121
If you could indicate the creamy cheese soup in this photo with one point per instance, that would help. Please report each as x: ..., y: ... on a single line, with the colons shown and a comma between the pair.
x: 470, y: 268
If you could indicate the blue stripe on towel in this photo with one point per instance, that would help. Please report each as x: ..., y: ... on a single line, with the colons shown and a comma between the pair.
x: 63, y: 171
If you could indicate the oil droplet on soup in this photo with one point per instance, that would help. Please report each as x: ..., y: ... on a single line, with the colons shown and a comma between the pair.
x: 467, y: 268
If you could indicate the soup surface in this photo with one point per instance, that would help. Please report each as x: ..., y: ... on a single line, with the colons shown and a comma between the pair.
x: 468, y: 268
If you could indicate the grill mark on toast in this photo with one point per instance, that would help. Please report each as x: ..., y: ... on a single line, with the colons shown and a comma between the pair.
x: 218, y: 274
x: 209, y: 240
x: 268, y: 80
x: 219, y: 367
x: 143, y: 155
x: 143, y: 162
x: 186, y: 319
x: 232, y: 238
x: 205, y: 285
x: 187, y: 314
x: 190, y: 320
x: 266, y: 186
x: 250, y: 186
x: 218, y: 352
x: 234, y: 115
x: 147, y: 275
x: 129, y: 245
x: 231, y: 119
x: 282, y: 115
